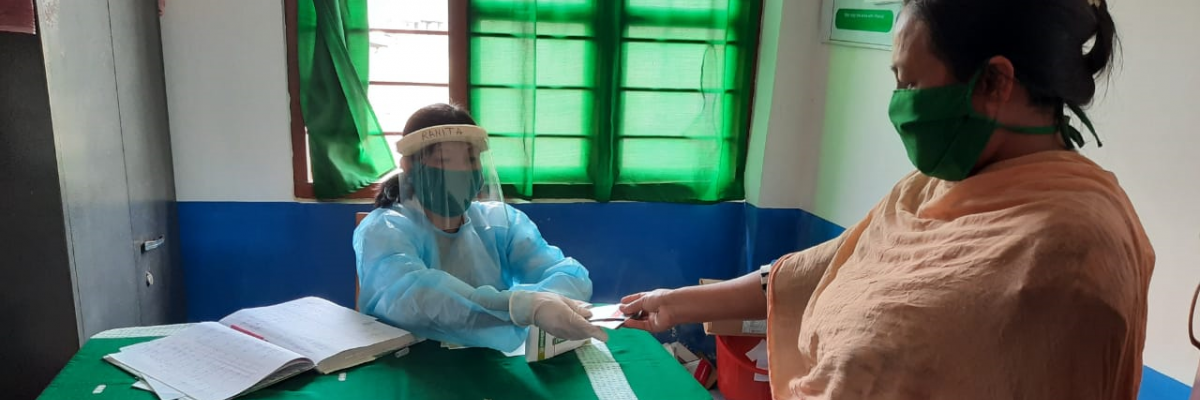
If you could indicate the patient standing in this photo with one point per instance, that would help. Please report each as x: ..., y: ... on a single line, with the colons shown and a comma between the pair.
x: 1008, y: 266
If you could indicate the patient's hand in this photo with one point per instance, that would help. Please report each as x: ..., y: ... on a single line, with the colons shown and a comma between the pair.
x: 651, y: 311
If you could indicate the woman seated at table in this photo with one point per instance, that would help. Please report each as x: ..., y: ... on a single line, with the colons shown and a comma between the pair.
x: 444, y: 257
x: 1008, y: 267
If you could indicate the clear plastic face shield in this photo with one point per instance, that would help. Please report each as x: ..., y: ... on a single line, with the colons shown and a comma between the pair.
x: 446, y: 169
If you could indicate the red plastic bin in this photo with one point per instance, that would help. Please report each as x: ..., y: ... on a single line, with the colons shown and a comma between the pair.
x: 735, y: 372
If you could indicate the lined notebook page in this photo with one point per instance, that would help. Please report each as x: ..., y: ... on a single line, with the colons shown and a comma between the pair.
x: 314, y: 327
x: 207, y: 361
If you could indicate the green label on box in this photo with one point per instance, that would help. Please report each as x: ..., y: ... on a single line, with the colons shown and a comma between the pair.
x: 865, y: 20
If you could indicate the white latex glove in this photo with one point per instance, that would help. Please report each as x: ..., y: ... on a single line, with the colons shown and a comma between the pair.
x: 557, y: 315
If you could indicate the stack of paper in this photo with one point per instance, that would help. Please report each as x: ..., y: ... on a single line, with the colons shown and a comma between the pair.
x: 759, y: 355
x: 209, y: 361
x: 255, y: 348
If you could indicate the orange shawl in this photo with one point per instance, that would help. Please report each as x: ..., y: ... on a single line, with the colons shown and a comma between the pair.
x: 1025, y: 281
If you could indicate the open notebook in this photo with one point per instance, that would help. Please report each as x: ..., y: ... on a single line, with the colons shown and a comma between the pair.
x: 256, y: 347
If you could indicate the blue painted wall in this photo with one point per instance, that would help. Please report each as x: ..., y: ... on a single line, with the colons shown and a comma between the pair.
x: 1156, y: 386
x: 238, y: 255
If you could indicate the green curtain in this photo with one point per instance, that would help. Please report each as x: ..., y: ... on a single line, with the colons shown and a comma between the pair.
x: 347, y: 149
x: 643, y: 100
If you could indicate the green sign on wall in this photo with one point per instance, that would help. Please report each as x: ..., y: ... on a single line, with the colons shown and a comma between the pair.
x: 867, y: 23
x: 865, y: 20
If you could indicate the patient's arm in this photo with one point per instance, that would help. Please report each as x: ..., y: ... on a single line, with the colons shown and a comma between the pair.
x: 743, y: 298
x: 740, y: 298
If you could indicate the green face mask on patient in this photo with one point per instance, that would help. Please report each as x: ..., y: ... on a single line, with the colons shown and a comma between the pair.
x: 945, y: 136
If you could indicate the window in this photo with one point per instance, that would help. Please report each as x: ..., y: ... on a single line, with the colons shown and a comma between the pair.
x: 410, y: 59
x: 417, y: 58
x: 644, y: 100
x: 611, y: 100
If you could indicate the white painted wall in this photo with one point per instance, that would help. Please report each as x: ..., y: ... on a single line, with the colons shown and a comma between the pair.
x: 785, y: 132
x: 226, y: 71
x: 861, y: 154
x: 1150, y: 123
x: 820, y: 137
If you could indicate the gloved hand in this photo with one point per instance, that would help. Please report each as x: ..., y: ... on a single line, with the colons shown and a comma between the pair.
x: 557, y: 315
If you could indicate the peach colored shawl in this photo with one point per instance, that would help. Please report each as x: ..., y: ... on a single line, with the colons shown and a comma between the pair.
x: 1025, y: 281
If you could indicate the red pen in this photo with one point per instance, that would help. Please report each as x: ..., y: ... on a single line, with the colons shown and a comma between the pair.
x: 243, y: 330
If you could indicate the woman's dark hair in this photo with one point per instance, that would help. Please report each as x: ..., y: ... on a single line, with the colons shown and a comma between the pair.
x: 1044, y: 40
x: 432, y: 115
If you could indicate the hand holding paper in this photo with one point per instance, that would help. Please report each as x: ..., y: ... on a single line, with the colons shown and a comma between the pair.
x: 557, y: 315
x: 648, y: 310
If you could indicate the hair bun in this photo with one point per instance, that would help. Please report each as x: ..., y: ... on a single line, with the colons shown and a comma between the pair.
x: 1103, y: 48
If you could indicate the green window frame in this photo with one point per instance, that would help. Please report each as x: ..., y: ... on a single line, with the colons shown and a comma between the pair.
x: 639, y: 100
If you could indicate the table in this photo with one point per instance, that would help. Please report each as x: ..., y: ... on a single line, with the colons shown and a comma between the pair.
x: 632, y: 365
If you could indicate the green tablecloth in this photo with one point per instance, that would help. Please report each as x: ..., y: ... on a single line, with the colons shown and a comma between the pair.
x: 431, y: 372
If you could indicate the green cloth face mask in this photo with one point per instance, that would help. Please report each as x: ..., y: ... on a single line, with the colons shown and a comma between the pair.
x: 945, y: 137
x: 446, y: 192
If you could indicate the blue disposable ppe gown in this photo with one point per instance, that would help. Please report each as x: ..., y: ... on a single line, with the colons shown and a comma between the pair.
x: 455, y: 287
